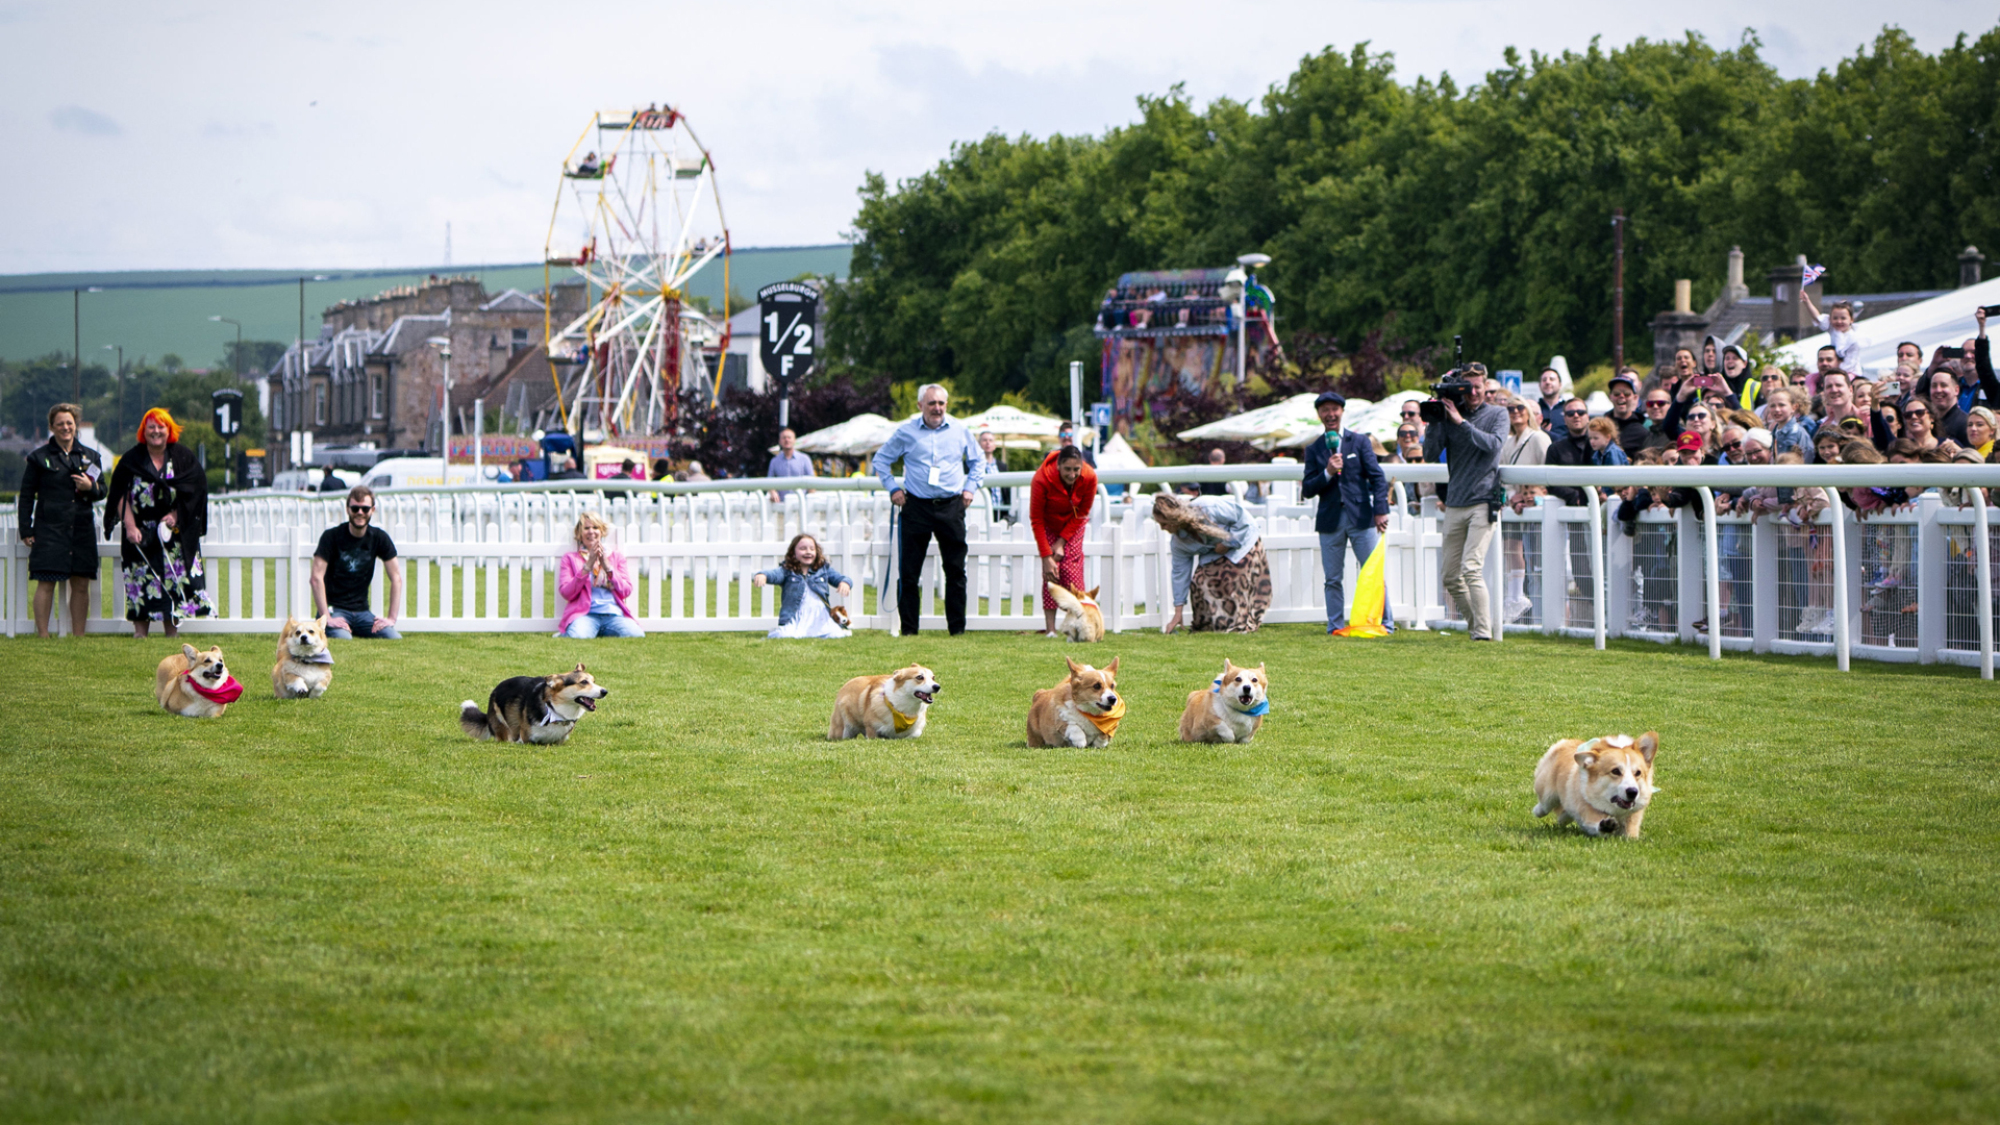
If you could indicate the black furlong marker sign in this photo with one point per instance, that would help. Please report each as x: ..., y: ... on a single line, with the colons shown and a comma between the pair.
x: 788, y: 316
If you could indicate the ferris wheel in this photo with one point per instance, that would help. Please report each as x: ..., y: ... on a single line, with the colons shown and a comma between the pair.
x: 637, y: 217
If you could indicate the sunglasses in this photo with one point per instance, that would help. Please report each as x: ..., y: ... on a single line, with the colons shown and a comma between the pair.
x: 1517, y: 409
x: 1660, y: 402
x: 361, y: 507
x: 1732, y: 445
x: 1406, y: 435
x: 1410, y: 413
x: 1915, y: 412
x: 1576, y: 413
x: 1698, y: 415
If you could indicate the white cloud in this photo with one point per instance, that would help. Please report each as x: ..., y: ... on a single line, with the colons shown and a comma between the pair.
x: 428, y: 114
x: 89, y: 122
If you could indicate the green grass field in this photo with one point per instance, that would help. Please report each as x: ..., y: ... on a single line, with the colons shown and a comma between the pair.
x: 344, y: 910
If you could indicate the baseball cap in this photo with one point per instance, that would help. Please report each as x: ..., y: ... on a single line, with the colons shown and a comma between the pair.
x: 1688, y: 441
x: 1334, y: 397
x: 1621, y: 377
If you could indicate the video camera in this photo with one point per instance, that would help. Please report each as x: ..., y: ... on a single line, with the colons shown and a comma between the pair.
x: 1453, y: 386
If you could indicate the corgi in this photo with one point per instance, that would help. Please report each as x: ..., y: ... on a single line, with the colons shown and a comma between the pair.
x: 538, y: 709
x: 1081, y: 620
x: 196, y: 685
x: 839, y: 615
x: 305, y: 668
x: 1229, y: 710
x: 1604, y: 785
x: 891, y: 706
x: 1082, y: 711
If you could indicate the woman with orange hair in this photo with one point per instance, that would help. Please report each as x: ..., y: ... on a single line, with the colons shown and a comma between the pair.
x: 159, y: 502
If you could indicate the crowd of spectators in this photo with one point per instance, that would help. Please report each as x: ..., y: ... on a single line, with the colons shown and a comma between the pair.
x: 1709, y: 407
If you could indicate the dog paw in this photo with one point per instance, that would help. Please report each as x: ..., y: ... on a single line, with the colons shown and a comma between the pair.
x: 1609, y: 827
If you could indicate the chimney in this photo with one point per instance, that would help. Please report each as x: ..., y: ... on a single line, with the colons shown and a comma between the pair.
x: 1734, y: 290
x: 1788, y: 317
x: 1968, y: 266
x: 1683, y: 295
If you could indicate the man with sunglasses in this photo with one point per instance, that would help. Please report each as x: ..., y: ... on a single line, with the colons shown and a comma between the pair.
x: 1412, y: 417
x: 344, y: 564
x: 1633, y: 433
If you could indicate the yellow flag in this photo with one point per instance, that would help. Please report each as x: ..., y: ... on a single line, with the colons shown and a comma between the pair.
x: 1365, y: 618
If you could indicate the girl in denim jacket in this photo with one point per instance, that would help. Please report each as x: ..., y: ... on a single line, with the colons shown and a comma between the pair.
x: 809, y: 583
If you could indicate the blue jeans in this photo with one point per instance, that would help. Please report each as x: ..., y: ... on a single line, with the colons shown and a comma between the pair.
x: 1333, y: 546
x: 590, y: 625
x: 361, y: 623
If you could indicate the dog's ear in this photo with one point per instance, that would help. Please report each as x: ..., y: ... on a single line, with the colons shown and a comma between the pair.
x: 1111, y: 669
x: 579, y: 667
x: 187, y: 650
x: 1092, y: 594
x: 1586, y: 758
x: 1228, y: 666
x: 1075, y: 669
x: 1649, y: 742
x: 321, y: 620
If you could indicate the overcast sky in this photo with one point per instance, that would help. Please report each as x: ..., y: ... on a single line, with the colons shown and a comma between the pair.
x: 168, y: 135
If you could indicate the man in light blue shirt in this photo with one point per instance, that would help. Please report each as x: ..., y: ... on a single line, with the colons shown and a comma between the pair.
x: 788, y: 462
x: 942, y: 468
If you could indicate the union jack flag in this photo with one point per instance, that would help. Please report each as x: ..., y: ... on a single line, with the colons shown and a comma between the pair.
x: 1810, y: 274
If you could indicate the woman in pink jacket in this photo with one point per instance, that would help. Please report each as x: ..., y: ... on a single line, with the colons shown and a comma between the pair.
x: 596, y: 586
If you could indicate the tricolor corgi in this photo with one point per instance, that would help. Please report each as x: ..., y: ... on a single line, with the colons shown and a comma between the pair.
x: 1231, y: 709
x: 1083, y: 710
x: 1603, y: 785
x: 538, y: 709
x: 891, y: 706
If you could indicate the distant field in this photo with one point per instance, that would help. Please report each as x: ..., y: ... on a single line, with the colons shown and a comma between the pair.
x: 156, y: 312
x: 344, y: 910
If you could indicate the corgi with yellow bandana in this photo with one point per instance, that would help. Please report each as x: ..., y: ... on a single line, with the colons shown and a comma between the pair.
x: 1081, y: 711
x: 891, y: 706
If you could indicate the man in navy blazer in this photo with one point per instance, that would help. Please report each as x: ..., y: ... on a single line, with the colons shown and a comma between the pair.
x: 1353, y: 503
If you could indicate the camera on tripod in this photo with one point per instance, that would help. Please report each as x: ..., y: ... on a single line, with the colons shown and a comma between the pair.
x: 1453, y: 387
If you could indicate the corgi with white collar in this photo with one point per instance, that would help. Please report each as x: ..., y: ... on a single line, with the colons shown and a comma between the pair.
x: 1604, y: 785
x: 1231, y: 709
x: 305, y: 666
x: 1082, y: 621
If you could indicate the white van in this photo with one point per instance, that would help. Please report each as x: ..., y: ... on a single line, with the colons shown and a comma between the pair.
x: 298, y: 480
x: 419, y: 472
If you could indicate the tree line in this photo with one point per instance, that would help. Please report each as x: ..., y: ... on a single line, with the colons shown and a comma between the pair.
x: 1428, y: 211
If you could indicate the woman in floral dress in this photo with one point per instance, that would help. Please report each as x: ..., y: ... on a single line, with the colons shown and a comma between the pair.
x: 159, y: 509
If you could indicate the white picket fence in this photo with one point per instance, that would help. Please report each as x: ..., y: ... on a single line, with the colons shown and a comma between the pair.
x: 1915, y: 585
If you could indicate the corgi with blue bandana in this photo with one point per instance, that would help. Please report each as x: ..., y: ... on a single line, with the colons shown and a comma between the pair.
x: 1230, y: 709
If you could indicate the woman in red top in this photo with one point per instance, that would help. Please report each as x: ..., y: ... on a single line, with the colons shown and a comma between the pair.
x: 1059, y: 503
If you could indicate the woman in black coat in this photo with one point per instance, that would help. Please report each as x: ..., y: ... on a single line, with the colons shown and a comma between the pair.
x: 159, y: 508
x: 63, y: 480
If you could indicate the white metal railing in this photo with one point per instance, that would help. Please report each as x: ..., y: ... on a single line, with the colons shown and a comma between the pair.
x: 1916, y: 584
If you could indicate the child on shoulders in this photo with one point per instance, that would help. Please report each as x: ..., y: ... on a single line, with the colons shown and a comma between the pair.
x: 809, y: 583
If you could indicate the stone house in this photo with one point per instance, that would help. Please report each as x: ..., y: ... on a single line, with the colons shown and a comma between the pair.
x: 373, y: 376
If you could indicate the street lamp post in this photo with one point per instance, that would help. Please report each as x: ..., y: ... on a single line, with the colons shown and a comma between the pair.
x: 238, y: 356
x: 118, y: 377
x: 443, y: 345
x: 76, y: 341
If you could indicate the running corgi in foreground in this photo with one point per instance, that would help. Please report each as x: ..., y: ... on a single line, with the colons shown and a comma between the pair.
x: 1081, y: 711
x: 1603, y: 785
x: 1229, y: 710
x: 538, y: 709
x: 891, y: 706
x: 1081, y: 619
x: 305, y: 667
x: 195, y: 685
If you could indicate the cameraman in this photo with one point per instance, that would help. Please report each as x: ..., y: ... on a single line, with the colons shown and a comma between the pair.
x: 1471, y: 447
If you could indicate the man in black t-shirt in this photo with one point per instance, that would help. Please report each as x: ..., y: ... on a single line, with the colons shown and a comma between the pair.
x: 343, y: 565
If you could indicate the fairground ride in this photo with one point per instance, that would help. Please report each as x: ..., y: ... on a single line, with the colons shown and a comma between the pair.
x: 637, y: 216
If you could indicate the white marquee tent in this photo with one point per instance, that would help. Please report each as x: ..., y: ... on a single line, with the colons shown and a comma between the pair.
x: 1945, y: 320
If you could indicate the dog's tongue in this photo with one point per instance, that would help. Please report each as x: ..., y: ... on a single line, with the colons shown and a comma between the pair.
x: 588, y: 703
